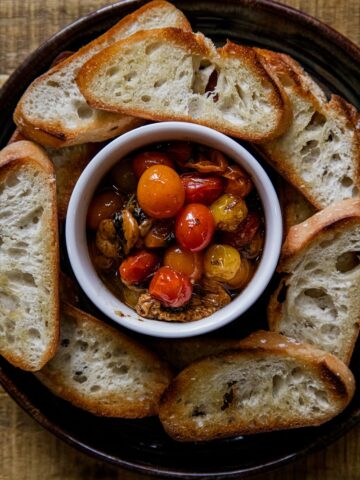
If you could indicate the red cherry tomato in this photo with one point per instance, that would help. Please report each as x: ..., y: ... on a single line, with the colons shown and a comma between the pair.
x: 102, y: 206
x: 194, y: 227
x: 138, y: 267
x: 181, y: 152
x: 202, y: 188
x: 244, y: 233
x: 160, y: 192
x: 171, y: 288
x: 144, y: 160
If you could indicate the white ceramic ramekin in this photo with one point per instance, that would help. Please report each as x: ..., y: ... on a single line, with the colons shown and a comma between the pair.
x: 84, y: 191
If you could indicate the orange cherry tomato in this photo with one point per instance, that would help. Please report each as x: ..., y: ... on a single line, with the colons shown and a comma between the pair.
x: 160, y: 235
x: 102, y: 206
x: 160, y: 192
x: 145, y: 160
x: 171, y: 288
x: 194, y: 227
x: 138, y: 267
x: 202, y: 188
x: 183, y: 261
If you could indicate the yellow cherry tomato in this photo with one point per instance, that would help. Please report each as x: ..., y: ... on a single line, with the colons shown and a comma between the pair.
x: 221, y: 262
x: 228, y: 212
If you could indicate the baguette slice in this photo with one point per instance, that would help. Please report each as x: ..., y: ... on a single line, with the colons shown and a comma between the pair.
x: 99, y: 369
x: 295, y: 207
x: 169, y: 74
x: 54, y: 113
x: 318, y: 300
x: 320, y: 152
x: 29, y: 257
x: 268, y: 383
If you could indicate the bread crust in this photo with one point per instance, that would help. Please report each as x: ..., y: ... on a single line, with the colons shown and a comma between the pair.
x: 115, y: 405
x: 289, y: 72
x: 55, y: 134
x: 338, y: 378
x: 12, y: 159
x: 195, y: 44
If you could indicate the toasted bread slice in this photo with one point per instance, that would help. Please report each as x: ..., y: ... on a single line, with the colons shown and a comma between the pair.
x: 295, y: 207
x: 320, y: 152
x: 318, y: 299
x: 101, y: 370
x: 54, y: 113
x: 169, y: 74
x: 29, y: 257
x: 268, y: 383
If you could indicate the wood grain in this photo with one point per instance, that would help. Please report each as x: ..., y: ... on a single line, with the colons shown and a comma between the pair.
x: 27, y: 452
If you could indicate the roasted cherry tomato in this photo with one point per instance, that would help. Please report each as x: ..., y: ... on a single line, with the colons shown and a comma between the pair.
x: 124, y: 176
x: 202, y: 188
x: 160, y: 235
x: 183, y: 261
x: 254, y: 248
x: 244, y: 233
x: 144, y: 160
x: 180, y: 152
x: 160, y: 192
x: 228, y: 212
x: 138, y: 267
x: 102, y: 206
x: 194, y: 227
x: 221, y: 262
x: 171, y: 288
x: 238, y: 181
x: 242, y: 276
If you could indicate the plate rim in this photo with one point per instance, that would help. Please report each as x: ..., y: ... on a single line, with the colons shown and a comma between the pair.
x: 6, y: 95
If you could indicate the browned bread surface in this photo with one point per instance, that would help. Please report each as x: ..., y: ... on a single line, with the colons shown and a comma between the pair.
x: 268, y: 383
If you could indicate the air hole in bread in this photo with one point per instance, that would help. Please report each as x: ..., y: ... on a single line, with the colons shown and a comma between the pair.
x: 278, y: 386
x: 65, y: 342
x: 118, y: 368
x: 310, y: 266
x: 355, y: 192
x: 8, y: 302
x: 12, y: 180
x: 310, y: 145
x: 346, y: 181
x: 95, y: 388
x: 34, y: 333
x: 130, y: 76
x: 79, y: 378
x: 181, y: 74
x: 84, y: 111
x: 331, y: 332
x: 317, y: 120
x: 146, y: 98
x: 52, y: 83
x: 23, y: 279
x: 1, y: 241
x: 347, y: 261
x: 10, y: 338
x: 110, y: 72
x: 198, y: 411
x: 314, y: 292
x: 151, y: 49
x: 335, y: 157
x: 83, y: 346
x: 159, y: 83
x: 239, y: 92
x: 297, y: 375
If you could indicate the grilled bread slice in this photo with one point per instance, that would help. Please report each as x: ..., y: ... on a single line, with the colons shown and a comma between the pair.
x: 54, y: 113
x: 169, y: 74
x: 317, y: 300
x: 268, y: 383
x: 29, y: 256
x: 101, y: 370
x: 320, y: 152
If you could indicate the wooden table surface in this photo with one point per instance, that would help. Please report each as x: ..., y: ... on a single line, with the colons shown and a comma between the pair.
x: 27, y: 452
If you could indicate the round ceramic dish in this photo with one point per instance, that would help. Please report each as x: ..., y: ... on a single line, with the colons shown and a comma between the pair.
x: 141, y: 445
x: 84, y: 190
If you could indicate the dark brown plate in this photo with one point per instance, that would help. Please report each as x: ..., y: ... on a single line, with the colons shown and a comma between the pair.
x: 142, y: 445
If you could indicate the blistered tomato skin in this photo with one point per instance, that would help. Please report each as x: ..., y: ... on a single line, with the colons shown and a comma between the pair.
x: 138, y: 267
x: 183, y: 261
x: 245, y: 232
x: 228, y: 212
x: 221, y: 262
x: 202, y: 188
x: 171, y: 288
x: 194, y: 227
x: 145, y: 160
x: 180, y: 152
x: 160, y: 192
x: 101, y: 207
